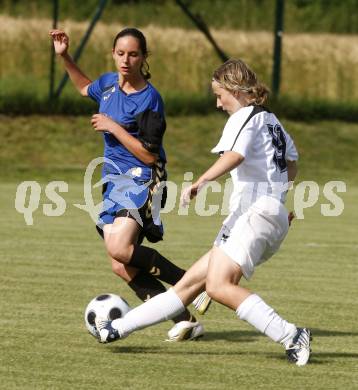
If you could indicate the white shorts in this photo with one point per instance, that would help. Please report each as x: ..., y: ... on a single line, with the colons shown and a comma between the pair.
x: 253, y: 237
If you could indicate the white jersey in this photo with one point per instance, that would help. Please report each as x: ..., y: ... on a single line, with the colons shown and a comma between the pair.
x: 260, y: 138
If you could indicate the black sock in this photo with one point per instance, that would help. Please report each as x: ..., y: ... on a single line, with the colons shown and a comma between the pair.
x: 150, y: 260
x: 146, y: 286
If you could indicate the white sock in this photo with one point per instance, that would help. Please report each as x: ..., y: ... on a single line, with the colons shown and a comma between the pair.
x: 160, y: 308
x: 263, y: 317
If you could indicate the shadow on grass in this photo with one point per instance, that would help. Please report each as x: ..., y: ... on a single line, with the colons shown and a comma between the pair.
x: 230, y: 336
x: 326, y: 357
x: 242, y: 337
x: 250, y: 336
x: 161, y: 350
x: 318, y: 358
x: 331, y: 333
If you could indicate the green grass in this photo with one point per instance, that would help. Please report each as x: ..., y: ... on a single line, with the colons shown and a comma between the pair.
x: 50, y: 271
x: 55, y: 147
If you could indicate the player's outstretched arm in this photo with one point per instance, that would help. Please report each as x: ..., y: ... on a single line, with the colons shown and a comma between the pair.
x: 228, y: 161
x: 61, y: 44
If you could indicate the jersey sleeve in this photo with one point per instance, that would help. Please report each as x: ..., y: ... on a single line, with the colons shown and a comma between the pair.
x: 151, y: 124
x: 291, y: 151
x: 94, y: 90
x: 97, y: 87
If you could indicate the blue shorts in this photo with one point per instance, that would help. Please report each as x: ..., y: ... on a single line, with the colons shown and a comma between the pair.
x: 125, y: 195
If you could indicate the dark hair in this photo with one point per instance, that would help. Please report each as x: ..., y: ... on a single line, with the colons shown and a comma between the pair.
x: 135, y: 33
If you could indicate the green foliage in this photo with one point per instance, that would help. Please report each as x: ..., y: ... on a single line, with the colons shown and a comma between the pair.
x: 301, y: 15
x: 303, y: 109
x: 322, y: 15
x: 181, y: 61
x: 24, y: 103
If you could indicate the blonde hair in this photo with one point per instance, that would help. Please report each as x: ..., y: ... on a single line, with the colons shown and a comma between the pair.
x: 235, y: 76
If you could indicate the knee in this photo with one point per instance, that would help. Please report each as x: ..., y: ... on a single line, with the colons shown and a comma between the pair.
x: 214, y: 290
x: 121, y: 254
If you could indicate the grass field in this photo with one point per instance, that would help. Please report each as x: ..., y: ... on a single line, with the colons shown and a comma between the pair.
x: 59, y: 148
x: 49, y: 272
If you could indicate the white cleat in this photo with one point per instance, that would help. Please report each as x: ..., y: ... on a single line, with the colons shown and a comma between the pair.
x: 298, y: 351
x: 185, y: 330
x: 106, y: 333
x: 202, y: 302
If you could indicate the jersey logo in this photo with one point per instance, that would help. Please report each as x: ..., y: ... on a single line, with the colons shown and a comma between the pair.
x: 224, y: 237
x: 137, y: 172
x: 155, y: 271
x: 105, y: 97
x: 279, y: 145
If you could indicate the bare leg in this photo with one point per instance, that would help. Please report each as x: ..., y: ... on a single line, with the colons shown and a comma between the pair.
x: 126, y: 272
x: 120, y: 237
x: 222, y: 280
x: 222, y: 285
x: 193, y: 281
x: 121, y: 242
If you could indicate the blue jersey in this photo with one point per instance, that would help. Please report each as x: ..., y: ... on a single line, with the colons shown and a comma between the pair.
x: 127, y: 110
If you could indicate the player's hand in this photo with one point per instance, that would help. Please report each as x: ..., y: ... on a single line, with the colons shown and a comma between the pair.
x: 101, y: 122
x: 190, y: 192
x: 61, y: 41
x: 291, y: 216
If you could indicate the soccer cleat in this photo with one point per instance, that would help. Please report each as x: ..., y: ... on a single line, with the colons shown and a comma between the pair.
x: 106, y: 333
x: 95, y: 332
x: 202, y: 302
x: 298, y: 351
x: 185, y: 330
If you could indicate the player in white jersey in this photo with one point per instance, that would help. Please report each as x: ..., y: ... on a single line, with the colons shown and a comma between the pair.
x: 260, y: 155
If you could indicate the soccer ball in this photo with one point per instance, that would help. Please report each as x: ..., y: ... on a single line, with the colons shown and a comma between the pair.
x: 108, y: 306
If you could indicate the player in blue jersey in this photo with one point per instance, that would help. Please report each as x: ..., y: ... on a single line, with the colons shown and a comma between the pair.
x: 132, y: 123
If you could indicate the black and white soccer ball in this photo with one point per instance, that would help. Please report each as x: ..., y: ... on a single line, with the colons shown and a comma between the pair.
x: 110, y: 306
